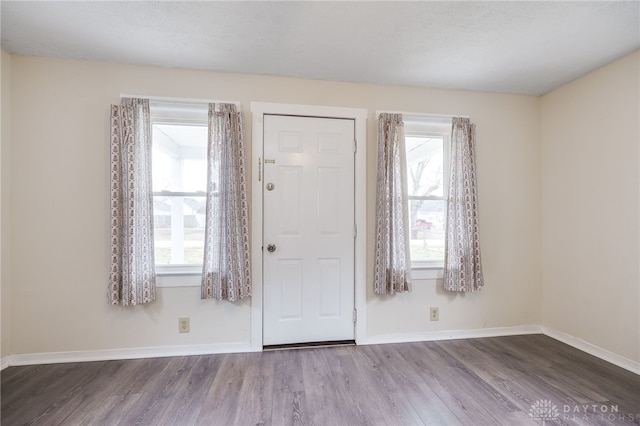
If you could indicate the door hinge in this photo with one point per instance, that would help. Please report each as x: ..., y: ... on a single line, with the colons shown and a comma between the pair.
x: 355, y: 230
x: 355, y: 145
x: 355, y: 315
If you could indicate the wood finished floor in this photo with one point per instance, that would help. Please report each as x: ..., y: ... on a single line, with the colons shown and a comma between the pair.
x: 490, y: 381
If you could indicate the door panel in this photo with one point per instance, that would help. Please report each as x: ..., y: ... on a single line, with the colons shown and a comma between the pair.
x: 309, y: 217
x: 290, y: 298
x: 289, y: 200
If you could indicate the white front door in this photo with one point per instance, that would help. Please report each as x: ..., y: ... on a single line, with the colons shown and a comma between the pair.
x: 308, y: 241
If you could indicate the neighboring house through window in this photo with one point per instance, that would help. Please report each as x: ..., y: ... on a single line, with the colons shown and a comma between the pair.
x: 427, y: 146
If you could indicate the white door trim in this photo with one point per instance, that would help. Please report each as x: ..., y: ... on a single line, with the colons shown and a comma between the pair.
x: 258, y: 110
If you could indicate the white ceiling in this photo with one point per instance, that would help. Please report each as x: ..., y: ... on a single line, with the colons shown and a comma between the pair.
x: 512, y: 47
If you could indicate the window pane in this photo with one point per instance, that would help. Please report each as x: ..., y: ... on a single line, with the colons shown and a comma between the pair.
x: 427, y: 218
x: 179, y: 230
x: 425, y: 166
x: 179, y: 165
x: 179, y: 157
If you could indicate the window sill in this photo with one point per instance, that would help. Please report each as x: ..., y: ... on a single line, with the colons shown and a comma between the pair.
x: 178, y: 276
x: 427, y: 273
x: 189, y: 276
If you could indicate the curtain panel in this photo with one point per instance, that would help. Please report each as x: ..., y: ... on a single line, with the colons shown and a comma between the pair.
x: 463, y: 266
x: 392, y: 264
x: 132, y: 278
x: 226, y: 271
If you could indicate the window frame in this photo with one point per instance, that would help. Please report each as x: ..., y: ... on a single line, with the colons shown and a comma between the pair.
x: 178, y: 113
x: 431, y: 127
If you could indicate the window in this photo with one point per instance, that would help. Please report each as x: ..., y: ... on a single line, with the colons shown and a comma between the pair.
x: 427, y: 147
x: 179, y: 175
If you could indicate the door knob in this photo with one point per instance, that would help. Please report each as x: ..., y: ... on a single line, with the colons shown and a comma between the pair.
x: 271, y: 248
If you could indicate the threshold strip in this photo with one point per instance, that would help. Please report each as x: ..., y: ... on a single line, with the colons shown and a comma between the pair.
x: 309, y: 345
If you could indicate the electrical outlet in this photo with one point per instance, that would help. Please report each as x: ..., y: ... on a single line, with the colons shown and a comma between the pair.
x: 183, y: 325
x: 434, y: 314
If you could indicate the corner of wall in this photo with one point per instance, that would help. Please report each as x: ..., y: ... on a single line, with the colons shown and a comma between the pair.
x: 5, y: 290
x: 590, y: 162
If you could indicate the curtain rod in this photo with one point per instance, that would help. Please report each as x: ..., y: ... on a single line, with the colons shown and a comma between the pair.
x: 420, y: 114
x: 182, y: 100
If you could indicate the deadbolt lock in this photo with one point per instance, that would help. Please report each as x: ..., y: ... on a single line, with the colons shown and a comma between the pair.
x: 271, y: 248
x: 270, y: 187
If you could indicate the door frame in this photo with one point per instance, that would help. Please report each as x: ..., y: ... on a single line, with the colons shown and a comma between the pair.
x: 359, y: 115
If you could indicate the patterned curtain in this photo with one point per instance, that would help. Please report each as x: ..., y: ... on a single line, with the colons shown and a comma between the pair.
x: 463, y: 267
x: 392, y: 264
x: 226, y: 271
x: 132, y: 280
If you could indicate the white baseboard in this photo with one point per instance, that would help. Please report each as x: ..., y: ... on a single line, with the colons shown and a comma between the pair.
x: 594, y: 350
x: 450, y: 335
x: 157, y: 352
x: 116, y: 354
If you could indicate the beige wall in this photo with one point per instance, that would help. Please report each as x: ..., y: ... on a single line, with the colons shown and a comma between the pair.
x: 59, y: 221
x: 5, y: 293
x: 590, y: 208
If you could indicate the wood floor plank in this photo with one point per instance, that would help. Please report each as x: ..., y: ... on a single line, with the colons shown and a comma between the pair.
x: 348, y: 382
x: 447, y: 381
x: 423, y: 399
x: 143, y: 374
x: 373, y: 400
x: 14, y: 377
x: 110, y: 412
x: 85, y: 394
x: 320, y: 390
x: 162, y: 388
x: 533, y: 378
x: 89, y: 396
x: 50, y: 395
x: 381, y: 371
x: 568, y: 384
x: 289, y: 408
x: 184, y: 407
x: 506, y: 364
x: 221, y: 403
x: 474, y: 383
x: 287, y: 371
x: 550, y: 371
x: 510, y: 376
x: 481, y: 381
x: 257, y: 391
